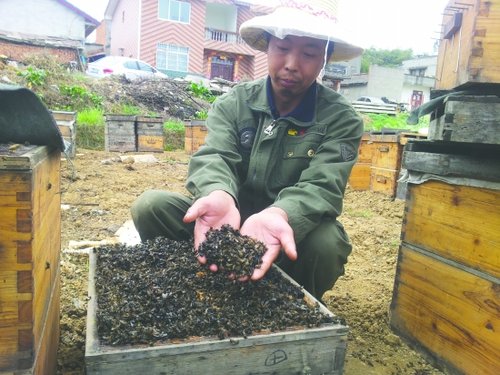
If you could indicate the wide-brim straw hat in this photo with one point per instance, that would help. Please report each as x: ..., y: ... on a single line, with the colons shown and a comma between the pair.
x: 314, y: 19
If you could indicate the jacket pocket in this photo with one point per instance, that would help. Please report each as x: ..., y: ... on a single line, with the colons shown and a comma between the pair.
x: 296, y: 154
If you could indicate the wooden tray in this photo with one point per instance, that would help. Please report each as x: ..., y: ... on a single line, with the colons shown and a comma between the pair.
x: 318, y: 350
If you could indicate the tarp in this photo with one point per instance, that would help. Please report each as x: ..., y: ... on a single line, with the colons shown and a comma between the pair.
x: 25, y: 119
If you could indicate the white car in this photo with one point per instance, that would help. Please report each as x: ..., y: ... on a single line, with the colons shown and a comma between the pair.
x: 370, y: 99
x: 119, y: 65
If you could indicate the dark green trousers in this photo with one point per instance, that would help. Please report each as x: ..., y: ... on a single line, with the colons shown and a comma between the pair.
x: 321, y: 255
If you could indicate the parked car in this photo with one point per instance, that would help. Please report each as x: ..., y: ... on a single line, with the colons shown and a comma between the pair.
x: 370, y: 99
x: 119, y: 65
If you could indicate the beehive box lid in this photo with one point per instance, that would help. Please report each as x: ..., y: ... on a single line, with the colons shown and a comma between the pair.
x: 309, y: 350
x: 472, y: 161
x: 18, y: 156
x: 24, y: 118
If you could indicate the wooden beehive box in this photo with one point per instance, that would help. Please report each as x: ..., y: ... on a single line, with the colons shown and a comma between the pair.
x: 468, y: 51
x: 120, y: 133
x: 447, y: 287
x: 468, y: 119
x: 66, y: 122
x: 150, y: 134
x: 30, y: 239
x: 386, y: 163
x: 196, y: 132
x: 318, y: 350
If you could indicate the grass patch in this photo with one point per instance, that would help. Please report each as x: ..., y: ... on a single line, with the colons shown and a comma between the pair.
x: 126, y: 109
x: 90, y: 136
x: 174, y: 132
x: 377, y: 122
x: 92, y: 116
x: 90, y: 127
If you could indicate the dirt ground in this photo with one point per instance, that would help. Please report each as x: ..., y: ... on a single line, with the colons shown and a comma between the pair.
x: 98, y: 189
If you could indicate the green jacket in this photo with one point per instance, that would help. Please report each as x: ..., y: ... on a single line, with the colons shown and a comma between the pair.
x: 300, y: 167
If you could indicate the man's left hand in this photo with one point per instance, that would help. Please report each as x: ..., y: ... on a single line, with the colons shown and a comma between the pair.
x: 270, y: 226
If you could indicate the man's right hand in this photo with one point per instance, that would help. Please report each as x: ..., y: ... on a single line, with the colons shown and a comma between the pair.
x: 212, y: 211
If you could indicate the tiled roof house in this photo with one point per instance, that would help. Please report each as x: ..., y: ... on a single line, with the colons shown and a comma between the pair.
x: 53, y: 27
x: 180, y: 37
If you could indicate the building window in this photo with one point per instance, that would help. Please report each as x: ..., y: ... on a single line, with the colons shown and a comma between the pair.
x: 420, y: 72
x: 172, y: 57
x: 174, y: 10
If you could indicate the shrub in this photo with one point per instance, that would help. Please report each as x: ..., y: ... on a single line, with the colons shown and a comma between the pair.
x: 202, y: 92
x: 79, y: 98
x: 33, y: 76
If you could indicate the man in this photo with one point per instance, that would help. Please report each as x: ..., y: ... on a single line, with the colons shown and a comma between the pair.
x: 277, y: 157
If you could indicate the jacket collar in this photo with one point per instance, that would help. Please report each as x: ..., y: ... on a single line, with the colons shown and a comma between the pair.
x: 304, y: 112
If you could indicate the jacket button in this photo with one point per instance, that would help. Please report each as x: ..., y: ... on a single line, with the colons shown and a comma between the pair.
x: 310, y: 153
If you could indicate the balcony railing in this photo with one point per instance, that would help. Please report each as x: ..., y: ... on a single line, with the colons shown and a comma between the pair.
x: 223, y: 36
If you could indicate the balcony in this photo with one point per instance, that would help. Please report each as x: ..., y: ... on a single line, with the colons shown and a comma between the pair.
x: 223, y: 36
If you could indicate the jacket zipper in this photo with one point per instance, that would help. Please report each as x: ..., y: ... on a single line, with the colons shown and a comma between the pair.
x: 270, y: 128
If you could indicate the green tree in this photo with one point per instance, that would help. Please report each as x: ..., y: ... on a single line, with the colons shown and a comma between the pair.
x: 382, y: 57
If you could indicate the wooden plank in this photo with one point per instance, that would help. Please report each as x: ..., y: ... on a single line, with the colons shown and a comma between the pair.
x: 453, y: 165
x: 366, y: 107
x: 61, y: 116
x: 446, y: 312
x: 384, y: 137
x: 273, y: 354
x: 315, y: 350
x: 46, y: 240
x: 45, y: 361
x: 152, y: 143
x: 457, y: 222
x: 365, y: 151
x: 471, y: 55
x: 26, y: 160
x: 405, y: 137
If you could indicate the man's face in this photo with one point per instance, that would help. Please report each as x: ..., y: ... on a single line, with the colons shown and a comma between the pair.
x: 294, y: 63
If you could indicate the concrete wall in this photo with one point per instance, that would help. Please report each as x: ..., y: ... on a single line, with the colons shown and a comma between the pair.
x: 352, y: 93
x: 386, y: 82
x: 40, y: 18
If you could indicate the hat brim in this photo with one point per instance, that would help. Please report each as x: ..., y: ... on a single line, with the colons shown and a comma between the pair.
x: 284, y: 21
